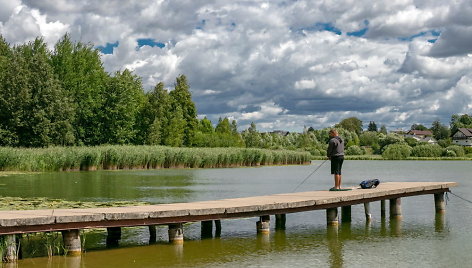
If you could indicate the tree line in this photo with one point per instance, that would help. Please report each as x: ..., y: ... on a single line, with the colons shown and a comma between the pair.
x: 64, y: 97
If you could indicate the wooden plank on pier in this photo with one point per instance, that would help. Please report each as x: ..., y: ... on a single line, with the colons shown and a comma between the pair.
x: 26, y: 221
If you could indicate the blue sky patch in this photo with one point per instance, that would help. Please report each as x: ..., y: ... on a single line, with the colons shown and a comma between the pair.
x: 108, y: 48
x: 150, y: 42
x: 432, y: 32
x: 358, y: 33
x: 328, y: 27
x: 320, y: 27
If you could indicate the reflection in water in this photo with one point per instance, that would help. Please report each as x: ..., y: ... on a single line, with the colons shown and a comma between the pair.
x: 334, y: 246
x: 383, y: 227
x: 295, y: 246
x: 73, y: 261
x: 395, y: 227
x: 263, y: 241
x: 368, y: 228
x: 439, y: 222
x: 149, y: 186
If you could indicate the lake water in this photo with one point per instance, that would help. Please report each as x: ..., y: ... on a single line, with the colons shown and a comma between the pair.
x: 421, y: 239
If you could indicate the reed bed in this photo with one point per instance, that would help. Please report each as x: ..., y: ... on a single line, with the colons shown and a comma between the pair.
x: 141, y: 157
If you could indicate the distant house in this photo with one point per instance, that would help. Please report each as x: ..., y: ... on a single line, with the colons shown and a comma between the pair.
x: 463, y: 136
x: 280, y: 132
x: 421, y: 136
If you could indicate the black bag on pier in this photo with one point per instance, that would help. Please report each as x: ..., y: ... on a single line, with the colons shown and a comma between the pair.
x: 369, y: 184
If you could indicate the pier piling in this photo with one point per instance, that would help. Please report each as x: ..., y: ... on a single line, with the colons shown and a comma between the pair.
x: 383, y: 213
x: 152, y: 234
x: 346, y: 214
x: 280, y: 220
x: 206, y: 229
x: 439, y: 203
x: 263, y: 225
x: 176, y: 233
x: 113, y: 236
x: 10, y: 253
x: 71, y: 240
x: 217, y: 228
x: 395, y: 208
x: 332, y: 216
x: 368, y: 215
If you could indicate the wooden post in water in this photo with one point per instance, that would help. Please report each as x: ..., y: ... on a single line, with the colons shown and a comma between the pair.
x: 176, y: 233
x: 346, y: 214
x: 71, y: 240
x: 206, y: 229
x: 332, y: 216
x: 395, y: 208
x: 152, y: 234
x: 217, y: 228
x: 280, y: 220
x: 263, y: 225
x: 10, y: 253
x: 368, y: 215
x: 113, y: 236
x: 439, y: 203
x: 382, y: 209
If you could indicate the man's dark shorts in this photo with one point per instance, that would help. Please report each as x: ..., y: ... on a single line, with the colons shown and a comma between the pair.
x: 336, y: 164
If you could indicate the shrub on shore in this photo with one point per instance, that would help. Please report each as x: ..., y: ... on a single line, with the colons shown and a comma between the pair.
x: 427, y: 150
x: 396, y: 151
x: 141, y: 157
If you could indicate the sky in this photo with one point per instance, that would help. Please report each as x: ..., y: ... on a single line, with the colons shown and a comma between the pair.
x: 283, y: 65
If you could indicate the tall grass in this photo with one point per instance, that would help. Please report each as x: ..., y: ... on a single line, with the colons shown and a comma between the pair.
x: 139, y: 157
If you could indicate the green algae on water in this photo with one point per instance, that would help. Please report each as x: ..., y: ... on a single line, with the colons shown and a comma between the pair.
x: 32, y: 203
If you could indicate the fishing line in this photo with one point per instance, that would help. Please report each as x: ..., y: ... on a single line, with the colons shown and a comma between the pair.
x: 460, y: 197
x: 309, y: 175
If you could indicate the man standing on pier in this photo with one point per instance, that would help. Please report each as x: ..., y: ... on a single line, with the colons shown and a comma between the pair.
x: 335, y: 154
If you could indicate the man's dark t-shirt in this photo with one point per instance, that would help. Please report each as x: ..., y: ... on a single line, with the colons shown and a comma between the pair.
x: 335, y: 147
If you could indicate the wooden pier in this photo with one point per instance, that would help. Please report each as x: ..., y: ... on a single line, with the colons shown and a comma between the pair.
x: 71, y: 221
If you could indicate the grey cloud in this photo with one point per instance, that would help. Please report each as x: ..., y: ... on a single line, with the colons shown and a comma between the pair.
x: 454, y: 41
x: 7, y: 9
x: 250, y: 60
x: 21, y: 28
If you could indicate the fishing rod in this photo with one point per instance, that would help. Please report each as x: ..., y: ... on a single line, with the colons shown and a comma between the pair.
x: 309, y: 175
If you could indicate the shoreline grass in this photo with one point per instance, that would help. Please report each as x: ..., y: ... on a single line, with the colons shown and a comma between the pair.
x: 379, y: 157
x: 111, y: 157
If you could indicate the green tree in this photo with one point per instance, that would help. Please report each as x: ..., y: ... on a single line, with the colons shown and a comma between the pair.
x: 205, y: 126
x: 223, y: 126
x: 460, y: 121
x: 372, y: 126
x: 391, y: 138
x: 7, y: 134
x: 154, y: 117
x: 176, y: 132
x: 383, y: 129
x: 35, y: 110
x: 181, y: 97
x: 439, y: 130
x: 234, y: 127
x: 371, y: 139
x: 124, y: 98
x: 80, y: 71
x: 352, y: 124
x: 251, y: 137
x: 418, y: 127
